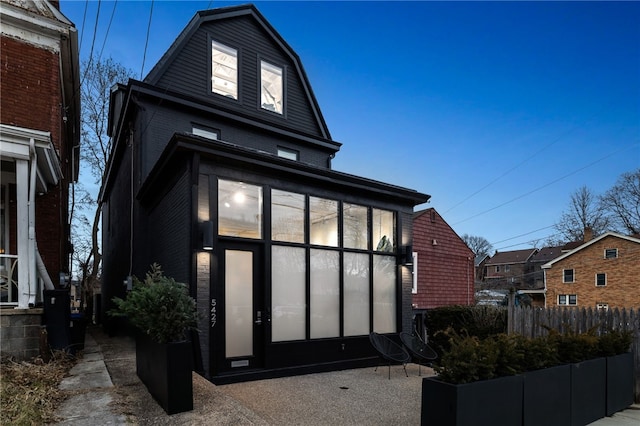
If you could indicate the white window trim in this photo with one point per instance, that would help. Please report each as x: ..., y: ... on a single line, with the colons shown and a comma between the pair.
x: 276, y: 71
x: 613, y: 249
x: 233, y: 91
x: 567, y: 298
x: 573, y: 274
x: 605, y: 279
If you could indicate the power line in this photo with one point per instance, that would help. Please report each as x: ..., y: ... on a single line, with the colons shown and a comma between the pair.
x: 548, y: 184
x: 113, y: 12
x: 146, y: 43
x: 84, y: 18
x: 522, y: 235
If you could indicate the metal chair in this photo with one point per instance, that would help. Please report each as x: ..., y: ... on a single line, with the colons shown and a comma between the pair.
x: 389, y: 351
x: 418, y: 349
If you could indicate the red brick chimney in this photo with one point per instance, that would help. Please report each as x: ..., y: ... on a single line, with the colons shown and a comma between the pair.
x: 588, y: 234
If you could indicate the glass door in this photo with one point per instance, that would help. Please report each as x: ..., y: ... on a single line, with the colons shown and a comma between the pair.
x: 241, y: 346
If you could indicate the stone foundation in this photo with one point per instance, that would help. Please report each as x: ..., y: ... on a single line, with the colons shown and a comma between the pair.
x: 20, y: 331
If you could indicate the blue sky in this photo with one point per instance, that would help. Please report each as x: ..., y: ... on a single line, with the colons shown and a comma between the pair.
x: 498, y: 110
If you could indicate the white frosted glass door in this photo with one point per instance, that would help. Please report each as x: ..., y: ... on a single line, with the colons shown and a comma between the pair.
x: 238, y: 287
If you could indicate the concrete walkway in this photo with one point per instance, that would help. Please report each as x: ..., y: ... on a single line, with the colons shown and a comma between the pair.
x: 106, y: 391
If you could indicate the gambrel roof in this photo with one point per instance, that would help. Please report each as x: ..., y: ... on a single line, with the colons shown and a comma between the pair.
x: 208, y: 20
x: 589, y: 243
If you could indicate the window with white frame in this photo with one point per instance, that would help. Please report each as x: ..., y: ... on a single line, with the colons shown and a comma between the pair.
x: 291, y: 154
x: 568, y: 276
x: 224, y: 70
x: 205, y: 132
x: 271, y: 87
x: 567, y: 299
x: 603, y: 306
x: 611, y: 253
x: 601, y: 280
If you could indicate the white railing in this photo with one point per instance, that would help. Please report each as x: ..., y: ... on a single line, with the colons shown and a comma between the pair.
x: 8, y: 279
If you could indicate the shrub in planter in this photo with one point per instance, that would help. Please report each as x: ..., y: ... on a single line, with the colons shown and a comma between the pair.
x: 162, y: 311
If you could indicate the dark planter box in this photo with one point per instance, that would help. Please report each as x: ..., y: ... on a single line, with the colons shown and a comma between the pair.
x: 620, y: 383
x: 547, y: 396
x: 165, y: 369
x: 588, y: 391
x: 488, y: 402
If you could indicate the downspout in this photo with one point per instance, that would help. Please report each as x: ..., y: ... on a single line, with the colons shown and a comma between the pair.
x: 42, y: 270
x: 31, y: 264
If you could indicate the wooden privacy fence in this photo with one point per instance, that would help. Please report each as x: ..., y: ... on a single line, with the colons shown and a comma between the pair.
x: 533, y: 322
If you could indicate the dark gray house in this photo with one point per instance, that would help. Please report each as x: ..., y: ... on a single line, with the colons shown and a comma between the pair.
x: 220, y: 171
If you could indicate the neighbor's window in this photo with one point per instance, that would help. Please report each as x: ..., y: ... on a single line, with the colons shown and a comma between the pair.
x: 239, y: 209
x: 603, y: 306
x: 355, y: 226
x: 507, y: 268
x: 287, y: 216
x: 224, y: 70
x: 291, y: 154
x: 497, y: 268
x: 601, y: 280
x: 567, y: 299
x: 567, y: 276
x: 271, y: 87
x: 384, y: 234
x: 611, y: 253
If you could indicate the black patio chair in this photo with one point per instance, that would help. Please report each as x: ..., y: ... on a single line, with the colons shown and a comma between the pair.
x: 389, y: 351
x: 418, y: 349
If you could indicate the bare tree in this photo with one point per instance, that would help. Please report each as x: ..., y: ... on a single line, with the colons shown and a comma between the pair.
x: 98, y: 76
x: 479, y: 245
x: 622, y: 201
x: 584, y: 212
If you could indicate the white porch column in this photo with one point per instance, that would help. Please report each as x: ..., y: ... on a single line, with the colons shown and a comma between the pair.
x: 22, y: 219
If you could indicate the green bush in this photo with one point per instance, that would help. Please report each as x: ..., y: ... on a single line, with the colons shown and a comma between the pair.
x: 471, y: 358
x: 159, y: 307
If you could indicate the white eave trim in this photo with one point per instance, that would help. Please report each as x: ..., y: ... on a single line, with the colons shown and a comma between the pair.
x: 14, y: 144
x: 33, y: 28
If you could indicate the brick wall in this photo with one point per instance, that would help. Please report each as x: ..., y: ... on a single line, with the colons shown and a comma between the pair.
x: 445, y: 269
x: 622, y: 288
x: 31, y: 98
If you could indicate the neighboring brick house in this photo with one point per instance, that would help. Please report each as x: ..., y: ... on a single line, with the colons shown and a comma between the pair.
x: 601, y: 273
x: 39, y: 146
x: 221, y: 172
x: 509, y: 269
x: 443, y: 267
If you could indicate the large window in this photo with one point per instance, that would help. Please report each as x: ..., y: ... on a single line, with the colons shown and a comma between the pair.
x: 355, y: 225
x: 288, y: 295
x: 384, y: 294
x: 323, y: 221
x: 356, y: 294
x: 384, y: 230
x: 287, y: 216
x: 224, y: 70
x: 239, y: 209
x: 325, y: 293
x: 271, y: 87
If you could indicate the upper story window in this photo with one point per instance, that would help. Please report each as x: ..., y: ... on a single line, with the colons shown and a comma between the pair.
x: 507, y: 268
x: 498, y: 268
x: 611, y: 253
x: 291, y: 154
x: 383, y: 223
x: 601, y: 280
x: 224, y: 70
x: 567, y: 276
x: 205, y: 132
x: 271, y: 87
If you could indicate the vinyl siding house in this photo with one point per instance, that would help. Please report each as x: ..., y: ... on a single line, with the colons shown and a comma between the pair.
x: 603, y: 272
x: 221, y: 172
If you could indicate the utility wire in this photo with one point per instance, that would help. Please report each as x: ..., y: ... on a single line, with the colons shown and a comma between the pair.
x: 113, y: 12
x: 548, y: 184
x: 84, y: 18
x: 522, y: 235
x: 146, y: 43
